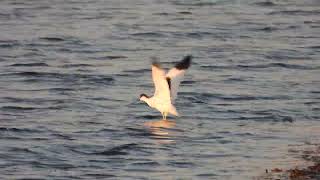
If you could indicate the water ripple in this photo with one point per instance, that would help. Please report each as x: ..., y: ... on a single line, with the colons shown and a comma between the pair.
x: 262, y: 66
x: 71, y: 72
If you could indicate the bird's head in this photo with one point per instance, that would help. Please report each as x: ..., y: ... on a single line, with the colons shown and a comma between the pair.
x: 143, y: 97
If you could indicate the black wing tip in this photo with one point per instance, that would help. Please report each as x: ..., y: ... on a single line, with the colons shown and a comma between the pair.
x: 185, y: 63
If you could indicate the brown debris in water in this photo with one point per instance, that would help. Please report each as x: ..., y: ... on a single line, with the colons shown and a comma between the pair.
x: 311, y: 172
x: 302, y: 173
x: 276, y: 170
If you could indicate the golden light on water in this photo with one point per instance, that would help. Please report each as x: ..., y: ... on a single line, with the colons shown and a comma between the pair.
x: 160, y: 124
x: 161, y: 130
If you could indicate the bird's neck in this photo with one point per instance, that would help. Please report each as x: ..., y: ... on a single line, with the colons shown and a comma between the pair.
x: 148, y: 101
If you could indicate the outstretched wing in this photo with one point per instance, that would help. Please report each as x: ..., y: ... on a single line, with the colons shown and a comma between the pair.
x: 175, y: 76
x: 160, y: 83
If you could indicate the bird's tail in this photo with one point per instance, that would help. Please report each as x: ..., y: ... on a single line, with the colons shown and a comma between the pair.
x: 173, y: 111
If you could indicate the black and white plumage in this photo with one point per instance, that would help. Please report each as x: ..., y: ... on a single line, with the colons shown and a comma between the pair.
x: 166, y: 87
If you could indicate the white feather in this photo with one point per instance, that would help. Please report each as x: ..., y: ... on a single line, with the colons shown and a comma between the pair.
x: 160, y: 83
x: 176, y: 77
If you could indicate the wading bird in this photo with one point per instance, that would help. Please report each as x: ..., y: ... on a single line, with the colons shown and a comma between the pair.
x: 166, y: 87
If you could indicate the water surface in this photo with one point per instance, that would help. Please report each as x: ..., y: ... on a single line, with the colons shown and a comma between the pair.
x: 71, y: 73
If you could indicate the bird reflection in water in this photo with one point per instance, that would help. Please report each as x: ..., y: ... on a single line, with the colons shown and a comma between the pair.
x: 161, y: 130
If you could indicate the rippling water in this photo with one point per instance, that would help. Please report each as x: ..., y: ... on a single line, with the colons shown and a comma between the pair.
x: 71, y: 73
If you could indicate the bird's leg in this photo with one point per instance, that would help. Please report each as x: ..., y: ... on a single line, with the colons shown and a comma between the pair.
x: 162, y: 115
x: 165, y: 115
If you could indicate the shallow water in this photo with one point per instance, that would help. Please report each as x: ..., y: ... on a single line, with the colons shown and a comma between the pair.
x: 71, y: 73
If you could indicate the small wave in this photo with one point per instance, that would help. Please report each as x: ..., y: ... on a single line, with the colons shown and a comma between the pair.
x: 206, y: 137
x: 272, y: 117
x: 100, y: 80
x: 294, y: 66
x: 181, y: 164
x: 130, y: 73
x: 296, y: 12
x: 76, y: 65
x: 29, y: 64
x: 51, y: 164
x: 207, y: 175
x: 196, y: 100
x: 234, y: 80
x: 198, y: 34
x: 185, y: 12
x: 198, y: 3
x: 194, y: 35
x: 71, y: 78
x: 161, y: 14
x: 111, y: 57
x: 21, y: 130
x: 103, y: 130
x: 251, y: 98
x: 12, y: 99
x: 148, y: 163
x: 137, y: 71
x: 270, y: 29
x: 315, y: 92
x: 148, y: 117
x: 173, y: 14
x: 311, y: 103
x: 139, y: 132
x: 205, y: 98
x: 270, y: 65
x: 314, y: 47
x: 52, y: 89
x: 9, y: 43
x: 17, y: 3
x: 90, y: 122
x: 62, y: 136
x: 65, y: 50
x: 105, y: 99
x: 118, y: 150
x: 185, y: 82
x: 59, y: 89
x: 5, y: 16
x: 17, y: 108
x: 23, y: 74
x: 23, y: 109
x: 149, y: 34
x: 52, y: 39
x: 316, y: 110
x: 244, y: 134
x: 267, y: 29
x: 214, y: 67
x: 38, y: 101
x: 265, y: 3
x: 224, y: 141
x: 98, y: 176
x: 267, y: 112
x: 21, y: 150
x: 262, y: 66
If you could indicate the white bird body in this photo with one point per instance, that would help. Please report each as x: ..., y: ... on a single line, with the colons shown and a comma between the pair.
x: 166, y: 87
x: 161, y: 105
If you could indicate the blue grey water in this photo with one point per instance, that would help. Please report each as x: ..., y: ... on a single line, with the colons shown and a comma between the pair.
x: 71, y: 72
